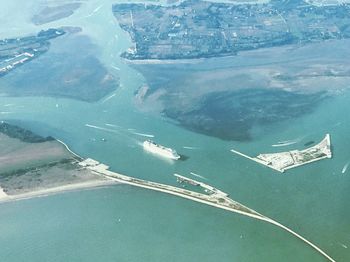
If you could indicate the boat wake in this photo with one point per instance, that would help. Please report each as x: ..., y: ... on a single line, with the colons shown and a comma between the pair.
x: 190, y: 147
x: 108, y: 98
x: 142, y: 134
x: 97, y: 8
x: 116, y: 68
x: 95, y: 11
x: 121, y: 133
x: 111, y: 125
x: 196, y: 175
x: 343, y: 245
x: 102, y: 128
x: 287, y: 142
x: 345, y: 167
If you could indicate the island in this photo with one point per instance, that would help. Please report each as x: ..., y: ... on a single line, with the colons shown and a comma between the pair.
x: 15, y: 52
x: 283, y: 161
x: 199, y: 29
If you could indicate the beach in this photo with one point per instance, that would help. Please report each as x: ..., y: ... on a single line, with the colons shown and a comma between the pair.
x: 55, y: 190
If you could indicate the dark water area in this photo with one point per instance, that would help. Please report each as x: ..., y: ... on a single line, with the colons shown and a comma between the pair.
x: 230, y: 115
x: 309, y: 143
x: 232, y: 97
x: 69, y: 69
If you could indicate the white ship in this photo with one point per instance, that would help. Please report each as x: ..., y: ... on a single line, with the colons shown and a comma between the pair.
x: 152, y: 147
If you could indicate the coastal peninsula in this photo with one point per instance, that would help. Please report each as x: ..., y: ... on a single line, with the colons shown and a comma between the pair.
x: 31, y: 165
x: 43, y: 66
x: 15, y: 52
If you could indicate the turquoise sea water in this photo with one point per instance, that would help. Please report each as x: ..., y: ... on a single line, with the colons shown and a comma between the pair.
x: 123, y: 223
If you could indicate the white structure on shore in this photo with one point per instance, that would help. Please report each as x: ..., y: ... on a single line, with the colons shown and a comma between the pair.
x: 294, y: 158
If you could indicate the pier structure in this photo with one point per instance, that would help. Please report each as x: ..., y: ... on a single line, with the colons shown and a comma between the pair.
x: 9, y: 64
x: 208, y: 189
x: 215, y: 197
x: 283, y: 161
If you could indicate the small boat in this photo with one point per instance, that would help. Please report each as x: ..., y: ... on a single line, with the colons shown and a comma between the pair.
x: 345, y: 168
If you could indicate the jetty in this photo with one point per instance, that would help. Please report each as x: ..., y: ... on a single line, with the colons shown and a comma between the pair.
x: 283, y: 161
x: 212, y: 196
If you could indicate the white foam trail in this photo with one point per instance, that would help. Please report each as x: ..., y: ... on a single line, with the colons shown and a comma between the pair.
x: 196, y: 175
x: 142, y: 134
x: 111, y: 125
x: 5, y: 113
x: 288, y: 142
x: 116, y: 68
x: 344, y: 246
x: 107, y: 98
x: 102, y: 128
x: 120, y: 133
x: 9, y: 105
x: 345, y: 167
x: 97, y: 8
x: 94, y: 11
x: 131, y: 129
x: 190, y: 147
x: 285, y: 143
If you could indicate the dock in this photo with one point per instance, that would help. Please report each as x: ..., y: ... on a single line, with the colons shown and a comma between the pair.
x: 209, y: 189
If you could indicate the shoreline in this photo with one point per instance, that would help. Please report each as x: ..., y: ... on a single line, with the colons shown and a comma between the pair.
x: 3, y: 195
x: 4, y: 198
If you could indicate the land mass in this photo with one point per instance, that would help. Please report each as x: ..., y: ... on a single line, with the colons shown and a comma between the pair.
x: 286, y: 160
x: 18, y: 51
x: 60, y: 169
x: 56, y: 69
x: 23, y: 135
x: 32, y: 165
x: 198, y: 29
x: 53, y: 13
x: 290, y: 56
